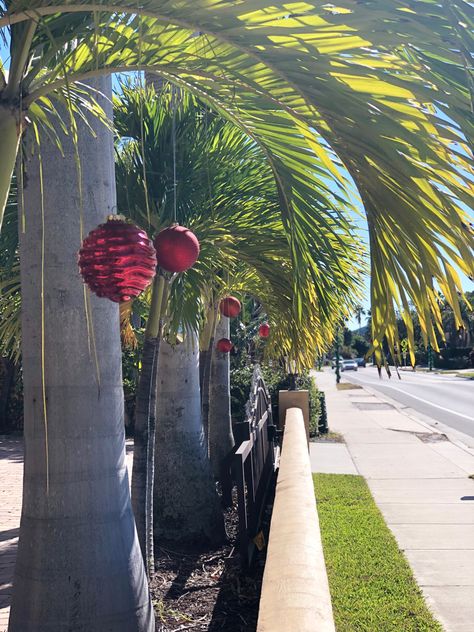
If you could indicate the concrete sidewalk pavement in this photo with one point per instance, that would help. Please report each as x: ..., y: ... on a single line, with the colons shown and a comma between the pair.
x: 420, y: 481
x: 11, y: 482
x: 11, y: 489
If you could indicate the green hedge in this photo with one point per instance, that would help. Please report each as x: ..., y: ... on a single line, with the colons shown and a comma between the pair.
x: 276, y: 380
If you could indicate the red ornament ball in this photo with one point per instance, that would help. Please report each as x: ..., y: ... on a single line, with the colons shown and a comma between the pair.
x: 230, y: 306
x: 224, y: 345
x: 117, y: 260
x: 177, y: 248
x: 264, y: 330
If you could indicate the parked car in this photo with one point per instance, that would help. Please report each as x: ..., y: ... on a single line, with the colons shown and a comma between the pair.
x: 360, y: 361
x: 349, y: 365
x: 334, y: 362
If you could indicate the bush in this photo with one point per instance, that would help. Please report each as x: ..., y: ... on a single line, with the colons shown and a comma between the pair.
x: 453, y: 358
x: 276, y: 379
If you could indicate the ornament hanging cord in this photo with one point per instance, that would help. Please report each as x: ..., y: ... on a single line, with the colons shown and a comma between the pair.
x: 142, y: 125
x: 173, y: 141
x: 208, y: 171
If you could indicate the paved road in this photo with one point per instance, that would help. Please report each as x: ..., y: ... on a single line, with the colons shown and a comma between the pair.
x: 444, y: 398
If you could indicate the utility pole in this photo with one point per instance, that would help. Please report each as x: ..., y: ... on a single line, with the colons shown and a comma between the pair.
x: 430, y: 357
x: 338, y: 364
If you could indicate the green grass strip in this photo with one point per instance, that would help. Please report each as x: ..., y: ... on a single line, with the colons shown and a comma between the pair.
x: 372, y: 586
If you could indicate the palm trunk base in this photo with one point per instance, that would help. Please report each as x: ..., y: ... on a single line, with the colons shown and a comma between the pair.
x: 186, y: 508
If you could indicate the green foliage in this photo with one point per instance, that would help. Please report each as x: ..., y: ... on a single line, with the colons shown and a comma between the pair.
x: 226, y: 194
x: 372, y: 586
x: 323, y: 414
x: 347, y: 337
x: 10, y: 298
x: 382, y: 89
x: 276, y: 379
x: 360, y: 346
x: 454, y: 340
x: 13, y: 400
x: 346, y: 352
x: 453, y: 358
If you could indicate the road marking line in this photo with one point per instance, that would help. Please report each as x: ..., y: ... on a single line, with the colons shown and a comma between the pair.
x: 425, y: 401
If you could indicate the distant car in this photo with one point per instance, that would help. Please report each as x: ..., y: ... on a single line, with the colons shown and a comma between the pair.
x: 349, y: 365
x: 334, y: 362
x: 360, y: 361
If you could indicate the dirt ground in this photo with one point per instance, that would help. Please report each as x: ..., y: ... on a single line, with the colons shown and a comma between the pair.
x: 207, y: 591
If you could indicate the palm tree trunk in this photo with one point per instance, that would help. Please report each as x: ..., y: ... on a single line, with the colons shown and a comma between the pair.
x: 79, y: 565
x: 143, y: 475
x: 221, y: 437
x: 186, y: 502
x: 144, y: 422
x: 6, y: 386
x: 9, y: 138
x: 208, y: 341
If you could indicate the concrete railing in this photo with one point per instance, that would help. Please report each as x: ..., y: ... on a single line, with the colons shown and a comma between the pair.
x: 295, y: 591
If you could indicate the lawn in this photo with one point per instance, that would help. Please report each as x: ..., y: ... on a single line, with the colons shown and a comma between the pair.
x: 469, y: 375
x: 371, y: 583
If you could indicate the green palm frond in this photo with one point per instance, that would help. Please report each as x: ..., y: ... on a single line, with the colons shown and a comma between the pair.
x: 381, y: 87
x: 10, y: 313
x: 227, y: 195
x: 10, y: 298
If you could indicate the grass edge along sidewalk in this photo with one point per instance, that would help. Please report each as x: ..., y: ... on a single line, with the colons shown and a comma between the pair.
x: 372, y: 586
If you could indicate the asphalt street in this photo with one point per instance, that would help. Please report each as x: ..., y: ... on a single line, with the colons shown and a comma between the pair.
x: 444, y: 398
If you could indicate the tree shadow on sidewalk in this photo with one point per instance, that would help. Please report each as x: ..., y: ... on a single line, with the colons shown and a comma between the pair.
x: 11, y: 449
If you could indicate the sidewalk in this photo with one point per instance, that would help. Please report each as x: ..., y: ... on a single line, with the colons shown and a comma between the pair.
x: 420, y: 481
x: 11, y: 487
x: 11, y: 481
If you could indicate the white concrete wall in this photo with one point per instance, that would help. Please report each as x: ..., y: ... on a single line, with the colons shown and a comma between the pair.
x: 295, y: 592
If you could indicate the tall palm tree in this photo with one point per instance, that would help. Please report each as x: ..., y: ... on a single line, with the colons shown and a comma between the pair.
x: 225, y: 193
x: 359, y: 311
x: 386, y: 86
x: 280, y: 76
x: 78, y: 562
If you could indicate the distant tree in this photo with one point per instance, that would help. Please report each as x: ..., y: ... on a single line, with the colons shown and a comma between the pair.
x: 347, y: 335
x: 360, y: 344
x: 359, y: 312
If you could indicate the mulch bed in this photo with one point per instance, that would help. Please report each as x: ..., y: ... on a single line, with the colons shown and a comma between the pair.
x: 207, y: 591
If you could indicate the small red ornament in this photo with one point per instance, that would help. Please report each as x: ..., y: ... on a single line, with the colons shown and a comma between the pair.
x: 264, y: 330
x: 177, y: 248
x: 117, y: 260
x: 224, y: 345
x: 230, y: 306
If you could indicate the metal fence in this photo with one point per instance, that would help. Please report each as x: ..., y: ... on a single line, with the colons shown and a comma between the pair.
x: 253, y: 465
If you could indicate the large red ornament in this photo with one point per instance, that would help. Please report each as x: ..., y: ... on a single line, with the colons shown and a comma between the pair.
x: 230, y: 306
x: 117, y: 260
x: 177, y: 248
x: 264, y: 330
x: 224, y: 345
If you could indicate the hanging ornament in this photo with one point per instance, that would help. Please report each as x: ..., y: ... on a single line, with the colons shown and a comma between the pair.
x: 230, y: 306
x: 224, y: 345
x: 177, y: 248
x: 264, y: 330
x: 117, y: 260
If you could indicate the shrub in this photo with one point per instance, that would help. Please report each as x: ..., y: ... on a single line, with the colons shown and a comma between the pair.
x: 276, y: 379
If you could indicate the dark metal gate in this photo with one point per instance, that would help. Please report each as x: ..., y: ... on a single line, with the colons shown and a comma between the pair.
x: 254, y: 464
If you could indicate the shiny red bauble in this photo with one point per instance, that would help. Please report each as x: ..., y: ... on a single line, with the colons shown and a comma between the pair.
x: 117, y: 260
x: 264, y: 330
x: 230, y: 306
x: 177, y: 248
x: 224, y: 345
